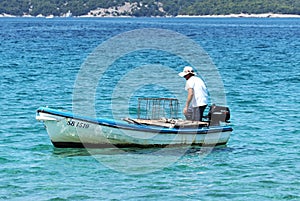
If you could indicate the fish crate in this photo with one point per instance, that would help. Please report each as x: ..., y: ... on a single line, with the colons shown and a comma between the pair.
x: 157, y: 108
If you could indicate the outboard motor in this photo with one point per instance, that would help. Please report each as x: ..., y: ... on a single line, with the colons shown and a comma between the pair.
x: 218, y: 114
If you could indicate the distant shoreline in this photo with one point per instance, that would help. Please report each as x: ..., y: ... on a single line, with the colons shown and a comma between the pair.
x: 242, y: 15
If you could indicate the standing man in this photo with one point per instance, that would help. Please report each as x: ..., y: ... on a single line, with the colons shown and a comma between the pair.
x: 197, y: 98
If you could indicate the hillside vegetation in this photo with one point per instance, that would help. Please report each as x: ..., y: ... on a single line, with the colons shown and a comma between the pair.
x: 149, y: 7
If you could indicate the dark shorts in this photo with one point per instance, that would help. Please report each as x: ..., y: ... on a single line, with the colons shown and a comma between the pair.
x: 195, y: 113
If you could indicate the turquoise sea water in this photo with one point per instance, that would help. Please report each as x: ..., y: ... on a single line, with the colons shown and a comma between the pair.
x: 258, y: 61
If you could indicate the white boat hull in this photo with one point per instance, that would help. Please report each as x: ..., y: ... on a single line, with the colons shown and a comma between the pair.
x: 67, y: 130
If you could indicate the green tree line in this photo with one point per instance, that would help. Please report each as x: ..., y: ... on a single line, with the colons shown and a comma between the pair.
x: 151, y: 7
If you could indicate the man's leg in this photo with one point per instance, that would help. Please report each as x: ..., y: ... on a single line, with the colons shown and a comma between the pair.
x: 201, y: 111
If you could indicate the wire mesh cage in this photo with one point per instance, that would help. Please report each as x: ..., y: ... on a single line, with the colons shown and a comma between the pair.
x: 157, y: 108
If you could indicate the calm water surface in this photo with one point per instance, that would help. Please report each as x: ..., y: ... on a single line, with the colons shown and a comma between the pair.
x: 258, y: 60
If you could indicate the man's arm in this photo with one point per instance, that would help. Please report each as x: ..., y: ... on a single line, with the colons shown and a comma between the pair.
x: 188, y: 100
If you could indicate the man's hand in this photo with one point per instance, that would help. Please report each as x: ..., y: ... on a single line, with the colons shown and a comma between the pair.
x: 185, y: 110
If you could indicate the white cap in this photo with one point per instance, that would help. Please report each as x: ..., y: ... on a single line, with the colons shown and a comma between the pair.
x: 187, y: 70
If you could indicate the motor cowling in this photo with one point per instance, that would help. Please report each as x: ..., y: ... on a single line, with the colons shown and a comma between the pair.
x: 218, y: 114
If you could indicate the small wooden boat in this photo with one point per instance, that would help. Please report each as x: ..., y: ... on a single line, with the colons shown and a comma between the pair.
x: 71, y: 130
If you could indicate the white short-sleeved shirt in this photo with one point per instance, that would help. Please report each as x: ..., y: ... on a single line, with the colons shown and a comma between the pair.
x: 200, y: 97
